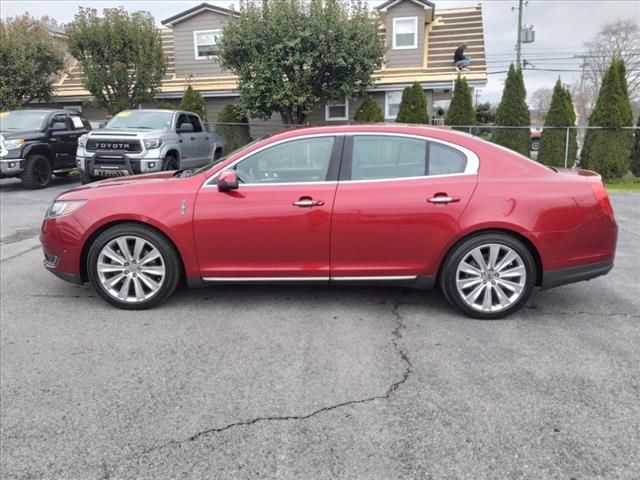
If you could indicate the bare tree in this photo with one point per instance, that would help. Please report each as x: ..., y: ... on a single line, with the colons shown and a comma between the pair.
x: 618, y: 39
x: 539, y: 102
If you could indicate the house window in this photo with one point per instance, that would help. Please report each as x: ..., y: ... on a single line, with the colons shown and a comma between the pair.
x: 392, y: 104
x: 334, y: 111
x: 205, y: 43
x: 405, y: 33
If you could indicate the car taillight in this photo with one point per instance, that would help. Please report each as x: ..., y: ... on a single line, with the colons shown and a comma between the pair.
x: 601, y: 195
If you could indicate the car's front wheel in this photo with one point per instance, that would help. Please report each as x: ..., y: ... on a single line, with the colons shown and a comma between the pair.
x: 37, y: 172
x: 488, y: 276
x: 133, y: 267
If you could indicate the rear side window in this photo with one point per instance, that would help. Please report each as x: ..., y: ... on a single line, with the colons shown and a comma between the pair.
x: 444, y: 160
x: 378, y: 157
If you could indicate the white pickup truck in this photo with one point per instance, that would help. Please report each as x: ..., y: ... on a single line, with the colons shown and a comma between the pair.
x: 144, y: 141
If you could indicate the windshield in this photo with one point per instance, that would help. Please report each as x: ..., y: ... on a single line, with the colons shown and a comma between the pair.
x: 22, y: 120
x: 145, y: 119
x: 206, y: 167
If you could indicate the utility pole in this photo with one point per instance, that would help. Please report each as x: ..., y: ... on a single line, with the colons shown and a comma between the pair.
x: 519, y: 42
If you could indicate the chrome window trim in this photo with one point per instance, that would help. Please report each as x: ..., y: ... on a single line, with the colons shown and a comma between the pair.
x: 472, y: 167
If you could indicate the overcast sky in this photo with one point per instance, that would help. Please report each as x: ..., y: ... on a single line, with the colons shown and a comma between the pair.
x: 562, y: 27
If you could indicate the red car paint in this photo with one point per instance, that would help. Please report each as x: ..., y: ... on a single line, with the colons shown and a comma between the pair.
x: 361, y: 229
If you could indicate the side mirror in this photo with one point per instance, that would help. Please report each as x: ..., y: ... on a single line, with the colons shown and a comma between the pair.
x: 58, y: 126
x: 227, y: 180
x: 185, y: 128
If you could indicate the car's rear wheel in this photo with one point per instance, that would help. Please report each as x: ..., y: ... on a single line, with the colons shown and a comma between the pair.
x: 488, y: 276
x: 133, y: 267
x: 37, y: 172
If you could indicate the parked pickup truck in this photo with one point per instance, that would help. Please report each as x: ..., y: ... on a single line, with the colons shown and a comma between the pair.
x: 143, y: 141
x: 36, y: 144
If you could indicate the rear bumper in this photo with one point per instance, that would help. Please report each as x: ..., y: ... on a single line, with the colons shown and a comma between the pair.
x: 556, y: 278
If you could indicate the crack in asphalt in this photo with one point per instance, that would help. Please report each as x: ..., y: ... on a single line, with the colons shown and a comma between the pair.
x: 31, y: 249
x: 396, y: 337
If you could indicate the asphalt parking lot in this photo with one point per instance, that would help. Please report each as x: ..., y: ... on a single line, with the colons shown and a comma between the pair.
x: 313, y: 383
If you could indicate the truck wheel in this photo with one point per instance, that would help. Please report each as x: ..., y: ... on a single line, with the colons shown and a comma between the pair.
x: 535, y: 145
x: 217, y: 154
x: 37, y: 172
x: 85, y: 177
x: 170, y: 163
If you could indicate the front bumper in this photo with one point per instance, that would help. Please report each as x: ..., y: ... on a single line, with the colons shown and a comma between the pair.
x: 556, y: 278
x: 116, y: 164
x: 11, y: 167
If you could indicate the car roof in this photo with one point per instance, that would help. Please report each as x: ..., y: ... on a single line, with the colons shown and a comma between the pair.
x: 442, y: 133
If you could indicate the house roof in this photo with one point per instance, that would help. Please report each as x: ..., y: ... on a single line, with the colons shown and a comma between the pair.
x: 442, y: 36
x: 383, y: 7
x: 195, y: 11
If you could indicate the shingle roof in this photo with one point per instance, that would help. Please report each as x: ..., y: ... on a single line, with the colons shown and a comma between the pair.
x: 389, y: 3
x: 194, y: 11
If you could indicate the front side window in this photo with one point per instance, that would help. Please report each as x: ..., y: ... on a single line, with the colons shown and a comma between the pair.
x: 58, y: 121
x: 405, y: 33
x: 444, y: 160
x: 206, y: 43
x: 295, y: 161
x: 379, y: 157
x: 197, y: 126
x: 337, y: 110
x: 392, y: 104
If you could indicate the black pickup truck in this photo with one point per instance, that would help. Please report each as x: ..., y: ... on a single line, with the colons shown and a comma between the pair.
x: 36, y: 144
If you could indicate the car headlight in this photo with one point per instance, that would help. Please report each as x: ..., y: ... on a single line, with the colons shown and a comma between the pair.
x: 150, y: 143
x: 82, y: 141
x: 64, y: 207
x: 13, y: 143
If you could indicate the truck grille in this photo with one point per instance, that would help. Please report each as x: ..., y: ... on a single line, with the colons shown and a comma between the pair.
x: 114, y: 145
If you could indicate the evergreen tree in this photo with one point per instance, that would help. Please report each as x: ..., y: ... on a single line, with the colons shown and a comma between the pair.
x: 369, y: 112
x: 413, y: 106
x: 608, y: 150
x: 461, y: 111
x: 553, y: 142
x: 192, y: 101
x: 635, y: 159
x: 513, y: 111
x: 234, y: 127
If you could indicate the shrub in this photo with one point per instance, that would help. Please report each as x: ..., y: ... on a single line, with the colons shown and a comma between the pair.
x: 413, y: 106
x: 234, y: 127
x: 461, y: 110
x: 553, y: 142
x: 513, y: 111
x: 369, y: 112
x: 608, y: 151
x: 166, y: 106
x: 192, y: 101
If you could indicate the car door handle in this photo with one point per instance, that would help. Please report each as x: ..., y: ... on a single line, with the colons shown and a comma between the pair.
x: 308, y: 203
x: 443, y: 199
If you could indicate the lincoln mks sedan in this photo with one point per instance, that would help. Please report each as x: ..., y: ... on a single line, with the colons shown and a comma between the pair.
x: 364, y: 205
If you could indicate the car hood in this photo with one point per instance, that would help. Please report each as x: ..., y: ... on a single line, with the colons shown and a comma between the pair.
x: 127, y: 132
x: 26, y: 134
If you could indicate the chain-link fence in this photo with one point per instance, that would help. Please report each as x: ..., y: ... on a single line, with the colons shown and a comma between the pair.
x: 562, y: 146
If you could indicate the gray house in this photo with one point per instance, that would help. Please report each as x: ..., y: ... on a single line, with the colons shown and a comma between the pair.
x: 420, y: 38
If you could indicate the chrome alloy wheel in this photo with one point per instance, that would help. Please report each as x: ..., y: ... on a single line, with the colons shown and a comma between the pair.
x: 491, y: 278
x: 131, y: 269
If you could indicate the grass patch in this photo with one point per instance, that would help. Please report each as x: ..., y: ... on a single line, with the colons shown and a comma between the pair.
x: 628, y: 183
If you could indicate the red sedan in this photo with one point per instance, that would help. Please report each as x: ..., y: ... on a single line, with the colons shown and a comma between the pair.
x: 346, y: 205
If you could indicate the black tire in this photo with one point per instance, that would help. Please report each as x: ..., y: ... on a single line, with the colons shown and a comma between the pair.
x: 217, y: 154
x: 170, y: 163
x: 86, y: 178
x: 172, y: 264
x: 461, y: 250
x: 37, y: 172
